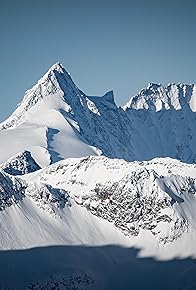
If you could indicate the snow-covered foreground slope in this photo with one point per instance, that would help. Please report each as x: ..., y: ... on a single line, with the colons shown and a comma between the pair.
x: 95, y: 212
x: 26, y: 225
x: 56, y: 120
x: 134, y: 197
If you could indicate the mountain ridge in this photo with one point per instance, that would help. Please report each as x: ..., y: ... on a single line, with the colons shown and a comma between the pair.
x: 52, y: 80
x: 174, y: 96
x: 148, y: 126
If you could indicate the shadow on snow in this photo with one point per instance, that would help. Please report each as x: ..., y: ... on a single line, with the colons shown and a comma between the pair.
x: 111, y: 267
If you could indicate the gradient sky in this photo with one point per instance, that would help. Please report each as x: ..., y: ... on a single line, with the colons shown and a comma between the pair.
x: 105, y: 44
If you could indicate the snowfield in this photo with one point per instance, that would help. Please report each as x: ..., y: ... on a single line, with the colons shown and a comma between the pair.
x: 93, y: 196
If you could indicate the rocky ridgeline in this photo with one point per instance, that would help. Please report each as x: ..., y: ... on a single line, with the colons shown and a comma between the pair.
x: 130, y: 209
x: 13, y: 190
x: 20, y: 164
x: 80, y: 281
x: 132, y: 196
x: 47, y: 197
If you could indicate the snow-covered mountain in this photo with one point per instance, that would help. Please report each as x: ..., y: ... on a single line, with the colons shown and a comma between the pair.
x: 42, y: 125
x: 60, y: 121
x: 164, y: 119
x: 73, y: 213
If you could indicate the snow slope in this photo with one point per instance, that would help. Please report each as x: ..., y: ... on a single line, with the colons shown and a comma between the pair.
x: 78, y: 211
x: 132, y: 196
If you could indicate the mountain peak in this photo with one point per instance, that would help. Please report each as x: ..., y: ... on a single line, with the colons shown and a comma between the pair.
x: 57, y: 67
x: 109, y: 96
x: 51, y: 88
x: 153, y: 86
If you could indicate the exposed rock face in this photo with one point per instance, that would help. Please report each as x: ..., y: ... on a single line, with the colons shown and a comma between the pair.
x: 132, y: 196
x: 20, y: 164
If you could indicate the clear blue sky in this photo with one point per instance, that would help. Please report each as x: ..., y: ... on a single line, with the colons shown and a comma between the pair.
x: 105, y: 44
